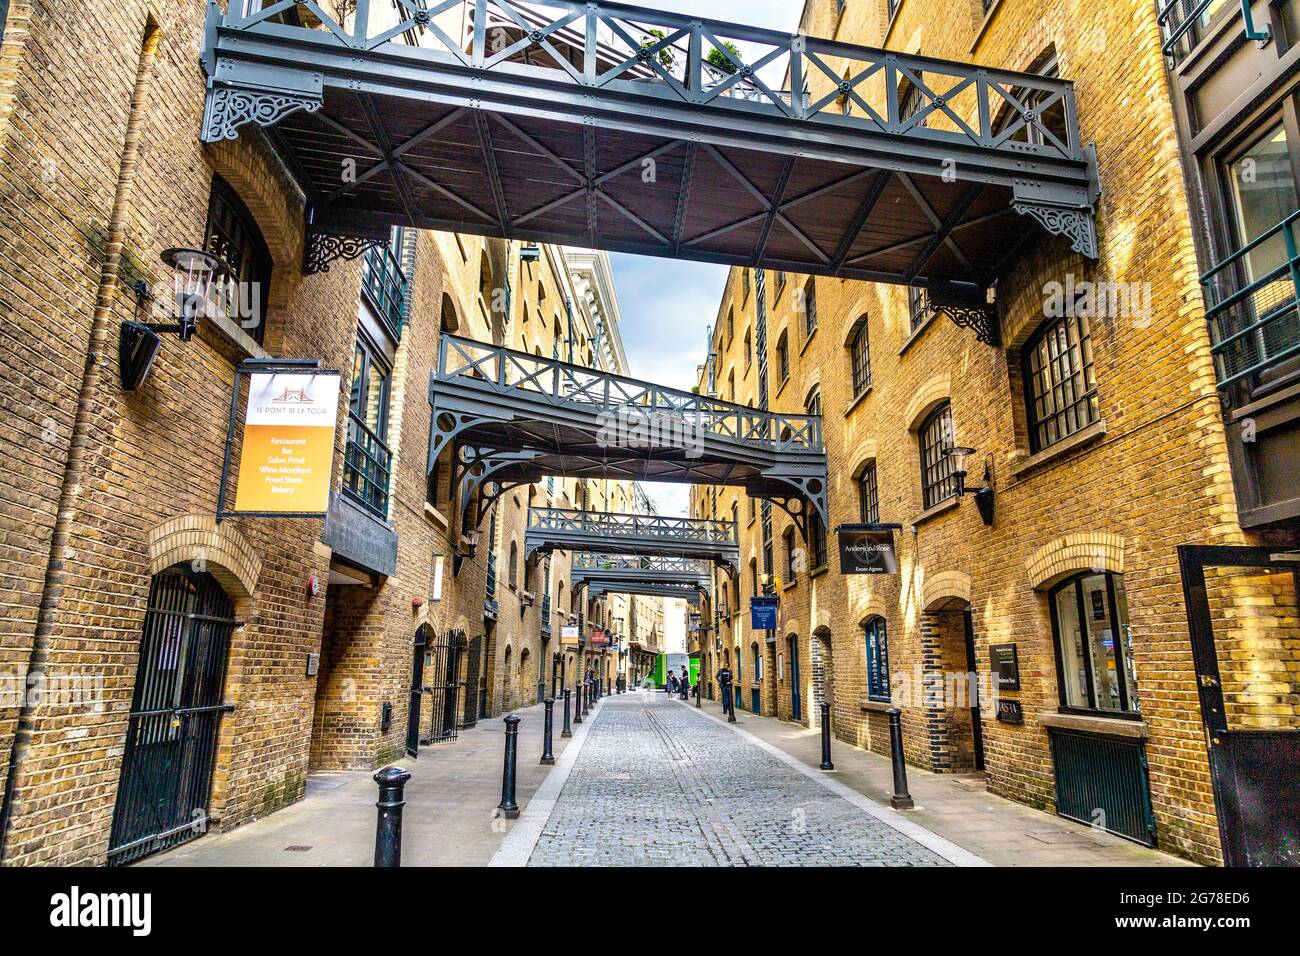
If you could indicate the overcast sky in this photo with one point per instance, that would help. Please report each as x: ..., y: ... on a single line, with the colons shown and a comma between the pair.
x: 668, y: 305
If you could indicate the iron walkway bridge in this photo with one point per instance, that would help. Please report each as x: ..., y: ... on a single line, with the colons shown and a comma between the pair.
x: 560, y: 529
x: 514, y: 418
x: 682, y: 578
x: 622, y: 128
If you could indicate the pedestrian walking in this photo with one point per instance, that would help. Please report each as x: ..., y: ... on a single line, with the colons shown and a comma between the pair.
x: 685, y: 684
x: 671, y: 686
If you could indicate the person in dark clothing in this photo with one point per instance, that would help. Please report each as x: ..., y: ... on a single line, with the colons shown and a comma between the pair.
x: 685, y: 684
x: 724, y: 683
x: 671, y: 685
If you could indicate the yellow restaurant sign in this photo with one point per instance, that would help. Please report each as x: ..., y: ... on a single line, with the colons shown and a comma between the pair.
x: 288, y: 451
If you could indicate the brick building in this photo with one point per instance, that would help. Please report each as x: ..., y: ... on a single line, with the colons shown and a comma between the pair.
x: 1098, y: 432
x: 228, y: 658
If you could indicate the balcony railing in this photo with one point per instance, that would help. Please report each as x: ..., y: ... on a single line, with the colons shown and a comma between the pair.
x: 640, y: 407
x: 384, y: 283
x: 637, y: 563
x: 1183, y: 22
x: 616, y: 524
x: 366, y: 463
x: 1254, y: 323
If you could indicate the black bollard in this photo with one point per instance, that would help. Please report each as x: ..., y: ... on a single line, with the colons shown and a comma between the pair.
x: 566, y: 732
x: 729, y: 703
x: 547, y: 756
x: 507, y: 806
x: 586, y: 698
x: 901, y: 799
x: 577, y: 703
x: 388, y: 832
x: 826, y: 736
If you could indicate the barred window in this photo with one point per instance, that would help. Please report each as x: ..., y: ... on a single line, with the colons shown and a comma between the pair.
x: 817, y: 541
x: 782, y: 358
x: 1060, y: 390
x: 809, y: 307
x: 877, y: 640
x: 919, y: 308
x: 869, y: 494
x: 937, y: 480
x: 791, y: 556
x: 860, y: 351
x: 232, y: 235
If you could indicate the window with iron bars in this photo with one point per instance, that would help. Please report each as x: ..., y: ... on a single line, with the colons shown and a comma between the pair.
x: 937, y: 480
x: 491, y: 589
x: 232, y: 235
x: 860, y: 353
x: 366, y: 457
x: 869, y: 495
x: 809, y: 308
x: 1060, y: 389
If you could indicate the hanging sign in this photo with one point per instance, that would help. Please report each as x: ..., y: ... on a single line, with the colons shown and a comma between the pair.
x: 599, y: 638
x: 762, y: 613
x: 867, y: 549
x: 288, y: 449
x: 569, y: 635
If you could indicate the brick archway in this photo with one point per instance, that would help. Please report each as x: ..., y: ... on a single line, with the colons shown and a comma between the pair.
x: 198, y: 540
x: 935, y: 391
x: 945, y: 590
x: 1072, y: 553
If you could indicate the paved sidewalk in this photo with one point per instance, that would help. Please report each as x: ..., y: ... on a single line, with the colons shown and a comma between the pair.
x: 956, y: 807
x: 449, y: 820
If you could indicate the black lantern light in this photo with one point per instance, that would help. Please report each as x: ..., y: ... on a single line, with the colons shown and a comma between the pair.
x: 958, y: 454
x: 530, y: 252
x: 195, y: 273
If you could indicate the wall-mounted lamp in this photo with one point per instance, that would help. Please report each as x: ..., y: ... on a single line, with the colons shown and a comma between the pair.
x: 194, y: 273
x: 530, y: 252
x: 958, y: 455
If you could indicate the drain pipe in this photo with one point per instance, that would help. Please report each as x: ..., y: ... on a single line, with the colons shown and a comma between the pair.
x: 70, y: 490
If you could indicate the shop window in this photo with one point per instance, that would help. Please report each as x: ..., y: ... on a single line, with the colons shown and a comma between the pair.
x: 877, y: 642
x: 1094, y: 644
x: 1060, y: 389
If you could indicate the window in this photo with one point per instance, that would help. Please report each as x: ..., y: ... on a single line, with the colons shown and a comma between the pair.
x: 1094, y: 644
x: 869, y: 494
x: 809, y: 307
x: 757, y: 656
x: 813, y: 402
x: 782, y: 359
x: 1060, y: 390
x: 384, y: 280
x: 860, y: 355
x: 791, y: 556
x: 745, y: 283
x: 780, y: 285
x: 817, y: 541
x: 513, y: 572
x: 749, y: 349
x: 753, y: 577
x: 877, y: 641
x: 366, y: 457
x: 731, y: 326
x: 937, y: 480
x: 919, y: 307
x: 233, y: 236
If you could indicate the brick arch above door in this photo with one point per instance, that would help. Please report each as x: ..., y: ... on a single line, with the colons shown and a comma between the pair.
x: 218, y: 549
x: 1072, y: 554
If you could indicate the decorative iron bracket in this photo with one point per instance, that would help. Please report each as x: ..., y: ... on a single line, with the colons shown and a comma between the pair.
x: 1073, y: 222
x: 323, y: 248
x: 969, y: 308
x: 231, y: 106
x: 810, y: 492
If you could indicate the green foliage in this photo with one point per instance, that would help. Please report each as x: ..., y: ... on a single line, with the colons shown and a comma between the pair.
x: 654, y: 35
x: 719, y: 60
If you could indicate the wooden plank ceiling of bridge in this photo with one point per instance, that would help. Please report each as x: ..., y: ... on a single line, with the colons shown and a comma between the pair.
x: 526, y: 178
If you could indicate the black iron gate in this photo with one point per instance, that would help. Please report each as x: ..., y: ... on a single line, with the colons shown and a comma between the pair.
x: 1242, y: 605
x: 171, y: 737
x: 417, y: 691
x: 444, y: 691
x: 473, y: 668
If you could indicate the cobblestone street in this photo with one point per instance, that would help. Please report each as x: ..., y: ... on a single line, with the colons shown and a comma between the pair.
x: 656, y: 784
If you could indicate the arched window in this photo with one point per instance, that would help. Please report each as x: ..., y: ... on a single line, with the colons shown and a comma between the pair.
x: 868, y: 494
x: 936, y: 437
x: 232, y: 235
x: 877, y: 641
x: 1060, y: 389
x: 782, y: 358
x: 753, y: 576
x: 514, y: 564
x: 756, y: 655
x: 791, y: 555
x: 449, y: 321
x: 860, y: 356
x: 1094, y: 644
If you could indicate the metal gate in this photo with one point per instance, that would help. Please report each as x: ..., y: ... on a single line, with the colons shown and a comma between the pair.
x: 473, y: 668
x: 171, y: 737
x: 1243, y: 605
x: 444, y: 691
x: 417, y: 692
x: 796, y: 711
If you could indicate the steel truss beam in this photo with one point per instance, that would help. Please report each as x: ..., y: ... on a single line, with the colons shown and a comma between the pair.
x: 529, y: 75
x: 602, y: 574
x: 513, y: 418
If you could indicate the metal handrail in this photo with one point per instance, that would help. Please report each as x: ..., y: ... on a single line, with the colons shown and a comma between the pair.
x: 587, y: 561
x: 1176, y: 30
x: 1248, y: 317
x: 385, y: 284
x: 497, y: 369
x: 971, y: 99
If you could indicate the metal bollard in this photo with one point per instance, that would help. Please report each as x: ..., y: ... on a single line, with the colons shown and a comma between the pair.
x: 566, y: 732
x: 577, y: 703
x: 507, y: 806
x: 826, y: 736
x: 586, y: 698
x: 388, y: 832
x: 901, y: 799
x: 547, y: 756
x: 729, y: 703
